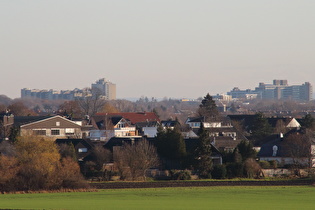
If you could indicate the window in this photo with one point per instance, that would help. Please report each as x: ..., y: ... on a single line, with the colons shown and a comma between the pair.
x: 69, y: 131
x: 55, y: 132
x: 39, y: 132
x: 82, y: 150
x: 121, y: 125
x: 57, y: 123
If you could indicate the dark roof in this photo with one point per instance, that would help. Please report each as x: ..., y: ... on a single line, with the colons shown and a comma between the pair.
x: 248, y: 120
x: 221, y: 129
x: 22, y: 120
x: 100, y: 121
x: 169, y: 123
x: 75, y: 142
x: 245, y: 119
x: 134, y: 117
x: 266, y: 149
x: 192, y: 144
x: 2, y: 114
x: 225, y: 142
x: 195, y: 119
x: 274, y: 120
x: 119, y: 141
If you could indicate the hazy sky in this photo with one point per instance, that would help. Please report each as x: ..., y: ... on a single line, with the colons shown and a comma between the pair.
x: 160, y: 48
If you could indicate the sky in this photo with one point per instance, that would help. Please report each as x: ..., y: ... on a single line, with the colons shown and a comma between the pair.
x: 155, y: 48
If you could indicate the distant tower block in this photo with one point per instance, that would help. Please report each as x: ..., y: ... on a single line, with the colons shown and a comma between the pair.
x: 105, y: 89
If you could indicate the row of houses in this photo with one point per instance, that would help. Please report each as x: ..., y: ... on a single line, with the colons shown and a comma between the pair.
x: 112, y: 129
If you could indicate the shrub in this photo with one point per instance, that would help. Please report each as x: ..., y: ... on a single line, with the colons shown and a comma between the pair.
x: 219, y: 172
x: 69, y: 173
x: 264, y: 164
x: 8, y: 171
x: 252, y: 168
x: 180, y: 175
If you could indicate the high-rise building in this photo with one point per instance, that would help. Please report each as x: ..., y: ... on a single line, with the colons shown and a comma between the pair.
x: 104, y: 88
x: 279, y: 89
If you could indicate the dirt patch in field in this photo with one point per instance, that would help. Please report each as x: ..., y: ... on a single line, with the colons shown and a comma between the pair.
x: 121, y: 185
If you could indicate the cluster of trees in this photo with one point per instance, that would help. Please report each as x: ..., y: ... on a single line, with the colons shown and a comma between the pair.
x: 172, y: 149
x: 132, y: 160
x: 240, y: 163
x: 34, y: 163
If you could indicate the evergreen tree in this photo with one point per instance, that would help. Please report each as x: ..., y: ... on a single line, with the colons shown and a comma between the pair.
x: 203, y: 154
x: 260, y: 128
x: 237, y: 157
x: 246, y: 150
x: 208, y: 109
x: 170, y: 143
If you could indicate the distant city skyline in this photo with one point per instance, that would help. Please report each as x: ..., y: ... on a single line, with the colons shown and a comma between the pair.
x: 263, y: 90
x: 165, y: 48
x: 101, y: 88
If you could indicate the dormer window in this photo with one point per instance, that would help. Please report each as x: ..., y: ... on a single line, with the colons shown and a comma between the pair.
x: 80, y: 150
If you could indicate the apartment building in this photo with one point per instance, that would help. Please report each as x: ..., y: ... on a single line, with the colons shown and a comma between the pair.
x: 279, y: 89
x: 102, y: 88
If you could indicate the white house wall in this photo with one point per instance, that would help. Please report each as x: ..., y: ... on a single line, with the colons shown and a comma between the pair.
x: 149, y: 131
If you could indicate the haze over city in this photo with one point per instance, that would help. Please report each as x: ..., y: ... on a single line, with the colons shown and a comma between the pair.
x: 155, y: 48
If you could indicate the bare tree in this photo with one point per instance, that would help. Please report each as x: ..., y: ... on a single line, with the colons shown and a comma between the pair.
x: 252, y: 168
x: 133, y: 160
x: 298, y: 147
x: 101, y: 156
x: 91, y: 104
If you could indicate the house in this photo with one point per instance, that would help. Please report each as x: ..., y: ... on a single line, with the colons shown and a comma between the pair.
x: 120, y: 141
x: 106, y: 127
x: 195, y: 122
x: 169, y: 124
x: 216, y: 155
x: 225, y: 138
x: 287, y: 122
x: 223, y: 135
x: 248, y: 120
x: 52, y: 126
x: 288, y: 150
x: 148, y: 129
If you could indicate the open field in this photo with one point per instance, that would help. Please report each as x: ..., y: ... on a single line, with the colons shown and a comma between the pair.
x: 237, y: 197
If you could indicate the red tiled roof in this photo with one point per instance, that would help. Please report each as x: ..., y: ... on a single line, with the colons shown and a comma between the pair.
x: 134, y: 117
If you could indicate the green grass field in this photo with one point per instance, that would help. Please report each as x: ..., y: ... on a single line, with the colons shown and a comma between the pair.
x: 284, y: 197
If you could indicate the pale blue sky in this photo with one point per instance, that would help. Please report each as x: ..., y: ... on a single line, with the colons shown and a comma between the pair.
x: 172, y: 48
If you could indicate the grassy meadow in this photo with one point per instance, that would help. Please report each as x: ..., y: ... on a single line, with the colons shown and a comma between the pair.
x: 253, y: 197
